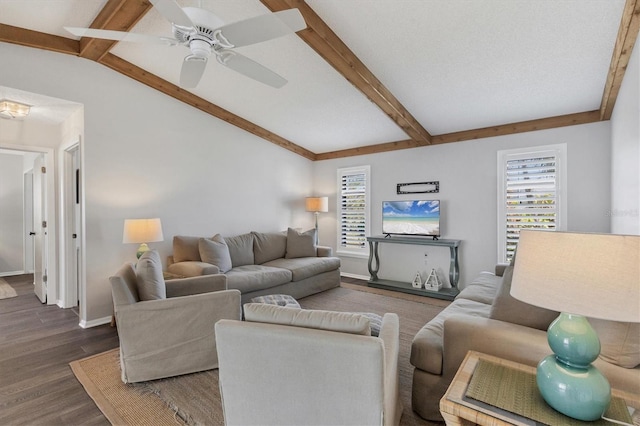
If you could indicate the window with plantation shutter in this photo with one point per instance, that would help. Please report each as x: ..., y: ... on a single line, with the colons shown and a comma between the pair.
x: 531, y: 188
x: 353, y: 210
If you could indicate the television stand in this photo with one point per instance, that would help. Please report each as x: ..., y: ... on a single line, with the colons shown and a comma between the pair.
x: 406, y: 287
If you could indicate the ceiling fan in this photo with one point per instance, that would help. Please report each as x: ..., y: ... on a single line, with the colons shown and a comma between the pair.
x: 204, y: 33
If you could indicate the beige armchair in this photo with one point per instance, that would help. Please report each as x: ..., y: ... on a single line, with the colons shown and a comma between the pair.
x: 288, y: 366
x: 173, y: 335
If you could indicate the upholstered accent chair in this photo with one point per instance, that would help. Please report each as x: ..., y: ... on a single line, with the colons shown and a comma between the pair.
x: 291, y: 366
x: 168, y: 328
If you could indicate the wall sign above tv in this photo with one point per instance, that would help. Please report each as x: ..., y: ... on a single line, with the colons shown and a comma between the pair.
x: 415, y: 217
x: 418, y: 187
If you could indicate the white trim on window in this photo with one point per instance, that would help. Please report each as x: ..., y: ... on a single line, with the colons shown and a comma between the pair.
x: 532, y: 191
x: 353, y: 211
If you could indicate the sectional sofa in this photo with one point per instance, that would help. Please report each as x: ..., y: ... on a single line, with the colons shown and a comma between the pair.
x: 486, y: 318
x: 259, y: 263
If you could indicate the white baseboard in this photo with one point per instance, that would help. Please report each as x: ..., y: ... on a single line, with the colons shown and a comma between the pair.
x: 11, y: 273
x: 355, y: 276
x: 95, y: 322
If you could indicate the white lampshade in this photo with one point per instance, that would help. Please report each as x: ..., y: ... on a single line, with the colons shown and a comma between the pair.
x: 142, y: 231
x: 317, y: 204
x: 594, y: 275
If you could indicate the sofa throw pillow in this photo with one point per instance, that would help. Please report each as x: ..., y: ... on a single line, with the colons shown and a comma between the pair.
x: 215, y: 252
x: 185, y: 249
x: 240, y: 249
x: 343, y: 322
x: 619, y: 342
x: 509, y: 309
x: 149, y: 277
x: 269, y: 246
x: 301, y: 244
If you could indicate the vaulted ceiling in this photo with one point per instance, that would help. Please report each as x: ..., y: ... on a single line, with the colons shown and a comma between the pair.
x: 370, y: 76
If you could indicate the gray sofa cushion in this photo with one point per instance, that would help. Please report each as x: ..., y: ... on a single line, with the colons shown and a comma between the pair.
x: 426, y: 349
x: 305, y: 267
x: 215, y: 252
x: 507, y: 308
x: 240, y: 249
x: 268, y: 246
x: 620, y: 342
x: 185, y: 248
x: 149, y: 277
x: 301, y: 244
x: 482, y: 289
x: 248, y: 278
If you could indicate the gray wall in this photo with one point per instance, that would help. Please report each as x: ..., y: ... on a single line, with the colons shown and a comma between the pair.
x: 148, y: 155
x: 625, y: 139
x: 467, y: 172
x: 11, y: 214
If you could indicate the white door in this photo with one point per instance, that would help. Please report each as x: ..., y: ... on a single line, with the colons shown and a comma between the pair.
x: 73, y: 223
x: 40, y: 229
x: 28, y: 222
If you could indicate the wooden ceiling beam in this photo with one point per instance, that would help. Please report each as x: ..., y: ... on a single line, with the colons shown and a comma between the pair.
x: 369, y: 149
x: 627, y: 35
x: 117, y: 15
x: 157, y: 83
x: 38, y: 40
x: 486, y: 132
x: 327, y: 44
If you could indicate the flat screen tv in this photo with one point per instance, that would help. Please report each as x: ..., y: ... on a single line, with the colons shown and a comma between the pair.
x: 415, y: 217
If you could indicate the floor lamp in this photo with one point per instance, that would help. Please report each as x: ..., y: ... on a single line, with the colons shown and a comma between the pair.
x: 317, y: 205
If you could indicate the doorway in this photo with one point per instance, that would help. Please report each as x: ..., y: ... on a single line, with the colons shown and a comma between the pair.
x: 73, y: 236
x: 31, y: 218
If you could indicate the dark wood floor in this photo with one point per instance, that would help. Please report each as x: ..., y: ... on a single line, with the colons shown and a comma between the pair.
x: 37, y: 342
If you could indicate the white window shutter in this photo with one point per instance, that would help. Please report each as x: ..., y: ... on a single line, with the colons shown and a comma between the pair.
x: 530, y: 194
x: 353, y: 209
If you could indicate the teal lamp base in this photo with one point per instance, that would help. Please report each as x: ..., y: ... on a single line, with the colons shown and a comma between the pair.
x: 567, y: 380
x: 143, y: 247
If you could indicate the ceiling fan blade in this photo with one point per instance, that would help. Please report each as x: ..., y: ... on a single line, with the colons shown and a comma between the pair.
x: 119, y: 36
x: 251, y: 69
x: 263, y: 27
x: 172, y: 12
x: 192, y: 70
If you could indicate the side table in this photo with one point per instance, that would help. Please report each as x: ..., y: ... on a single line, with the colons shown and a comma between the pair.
x: 457, y: 409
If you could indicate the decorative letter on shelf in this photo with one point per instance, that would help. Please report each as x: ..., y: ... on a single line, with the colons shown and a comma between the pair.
x: 418, y: 187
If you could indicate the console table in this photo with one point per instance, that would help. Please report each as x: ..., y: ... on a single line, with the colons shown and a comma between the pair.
x: 374, y: 266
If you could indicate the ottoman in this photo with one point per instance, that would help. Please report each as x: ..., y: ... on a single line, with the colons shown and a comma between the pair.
x: 277, y: 299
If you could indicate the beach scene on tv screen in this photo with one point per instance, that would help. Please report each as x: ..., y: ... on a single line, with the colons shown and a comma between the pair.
x: 411, y: 217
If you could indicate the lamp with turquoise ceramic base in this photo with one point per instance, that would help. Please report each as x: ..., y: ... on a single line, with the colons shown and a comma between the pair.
x: 580, y: 275
x: 142, y: 231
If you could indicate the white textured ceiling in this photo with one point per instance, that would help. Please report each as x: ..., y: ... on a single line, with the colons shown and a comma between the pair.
x: 454, y: 64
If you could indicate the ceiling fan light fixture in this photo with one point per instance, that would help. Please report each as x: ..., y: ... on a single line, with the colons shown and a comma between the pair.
x: 200, y: 48
x: 11, y: 109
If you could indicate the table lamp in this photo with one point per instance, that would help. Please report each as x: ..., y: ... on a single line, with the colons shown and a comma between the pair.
x: 317, y: 205
x: 579, y: 275
x: 142, y: 231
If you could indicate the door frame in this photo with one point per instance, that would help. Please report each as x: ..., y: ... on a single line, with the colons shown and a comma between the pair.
x: 72, y: 261
x: 51, y: 248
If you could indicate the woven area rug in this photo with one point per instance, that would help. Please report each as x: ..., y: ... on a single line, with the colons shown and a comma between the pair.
x: 194, y: 399
x: 6, y: 291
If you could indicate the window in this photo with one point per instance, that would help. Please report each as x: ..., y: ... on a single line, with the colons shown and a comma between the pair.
x: 531, y: 193
x: 353, y: 210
